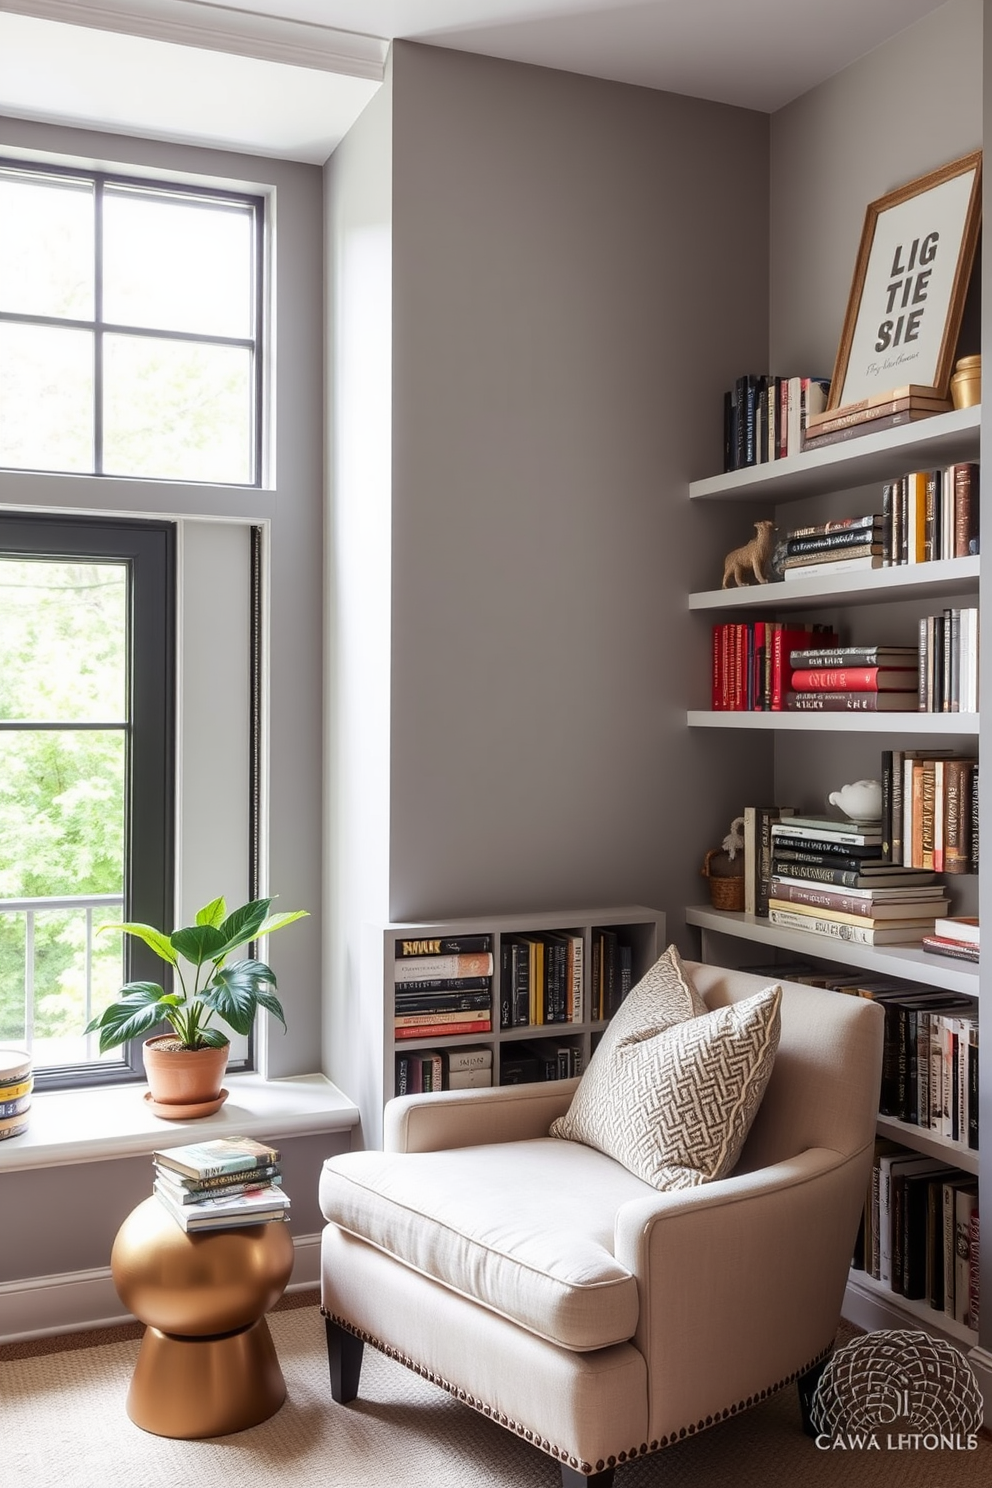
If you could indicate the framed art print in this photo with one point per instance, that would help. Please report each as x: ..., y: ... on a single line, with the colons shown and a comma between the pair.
x: 910, y: 282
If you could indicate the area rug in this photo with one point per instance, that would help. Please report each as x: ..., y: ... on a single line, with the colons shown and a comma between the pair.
x: 64, y: 1426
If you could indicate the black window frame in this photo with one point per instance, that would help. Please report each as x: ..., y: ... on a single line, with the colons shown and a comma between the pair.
x: 154, y: 186
x: 148, y: 548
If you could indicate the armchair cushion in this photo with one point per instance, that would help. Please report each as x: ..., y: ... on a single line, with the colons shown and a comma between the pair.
x: 524, y: 1228
x: 675, y: 1103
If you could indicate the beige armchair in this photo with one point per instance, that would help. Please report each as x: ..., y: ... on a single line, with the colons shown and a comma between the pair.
x: 549, y: 1288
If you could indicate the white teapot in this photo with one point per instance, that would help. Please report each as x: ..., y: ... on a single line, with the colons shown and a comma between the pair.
x: 862, y: 800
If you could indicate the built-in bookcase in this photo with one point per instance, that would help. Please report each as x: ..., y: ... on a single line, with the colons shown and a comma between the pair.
x: 809, y: 751
x: 640, y: 929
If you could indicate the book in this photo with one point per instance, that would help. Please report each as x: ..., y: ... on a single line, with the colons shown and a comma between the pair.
x: 784, y: 640
x: 835, y: 567
x: 221, y: 1155
x: 445, y: 985
x: 430, y: 1028
x: 891, y: 875
x: 915, y: 917
x: 758, y: 821
x: 831, y: 542
x: 965, y: 1205
x: 839, y: 524
x: 851, y: 702
x: 444, y: 945
x: 446, y: 1018
x: 935, y: 946
x: 871, y: 426
x: 857, y: 656
x: 783, y: 895
x: 459, y: 1060
x: 257, y: 1206
x: 869, y: 546
x: 182, y: 1195
x: 965, y: 484
x: 425, y: 968
x: 902, y: 933
x: 223, y: 1183
x: 958, y: 928
x: 858, y: 834
x: 854, y: 679
x: 847, y: 418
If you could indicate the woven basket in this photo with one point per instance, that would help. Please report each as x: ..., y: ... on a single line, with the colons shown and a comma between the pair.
x: 725, y: 893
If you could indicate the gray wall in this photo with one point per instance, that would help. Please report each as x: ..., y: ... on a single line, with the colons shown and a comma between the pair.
x: 579, y: 271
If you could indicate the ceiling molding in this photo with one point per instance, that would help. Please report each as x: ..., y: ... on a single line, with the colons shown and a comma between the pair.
x: 218, y: 28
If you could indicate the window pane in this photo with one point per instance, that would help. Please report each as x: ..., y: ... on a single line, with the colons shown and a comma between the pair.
x: 64, y: 628
x: 177, y: 410
x: 61, y: 813
x: 175, y: 264
x: 46, y: 398
x: 56, y: 972
x: 46, y: 246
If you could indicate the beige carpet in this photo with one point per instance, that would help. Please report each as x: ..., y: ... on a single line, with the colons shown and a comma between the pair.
x: 63, y: 1425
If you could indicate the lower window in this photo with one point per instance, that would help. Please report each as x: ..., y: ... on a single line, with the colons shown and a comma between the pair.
x: 87, y: 727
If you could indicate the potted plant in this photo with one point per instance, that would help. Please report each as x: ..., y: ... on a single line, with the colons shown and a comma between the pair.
x: 185, y: 1067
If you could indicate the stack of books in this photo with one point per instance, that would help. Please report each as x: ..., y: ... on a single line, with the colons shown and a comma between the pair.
x: 930, y: 515
x: 16, y: 1084
x: 883, y: 410
x: 846, y: 545
x: 930, y: 810
x: 751, y: 667
x: 830, y: 878
x: 222, y: 1184
x: 765, y: 417
x: 425, y: 1070
x: 954, y: 935
x: 948, y: 653
x: 854, y: 679
x: 920, y: 1232
x: 543, y: 977
x: 443, y: 985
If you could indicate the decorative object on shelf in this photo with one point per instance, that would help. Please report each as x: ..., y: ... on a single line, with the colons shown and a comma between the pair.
x: 861, y: 800
x: 16, y: 1084
x: 753, y: 558
x: 185, y: 1068
x: 910, y: 281
x: 723, y: 868
x: 966, y: 384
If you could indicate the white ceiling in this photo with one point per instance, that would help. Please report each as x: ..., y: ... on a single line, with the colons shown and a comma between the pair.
x: 289, y: 77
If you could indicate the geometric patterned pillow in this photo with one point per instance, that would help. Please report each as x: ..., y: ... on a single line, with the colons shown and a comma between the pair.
x: 663, y: 996
x: 681, y: 1101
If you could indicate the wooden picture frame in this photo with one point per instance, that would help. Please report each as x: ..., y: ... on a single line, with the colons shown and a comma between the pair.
x: 910, y: 283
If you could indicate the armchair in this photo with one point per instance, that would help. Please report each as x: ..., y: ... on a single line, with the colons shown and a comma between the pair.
x: 549, y: 1288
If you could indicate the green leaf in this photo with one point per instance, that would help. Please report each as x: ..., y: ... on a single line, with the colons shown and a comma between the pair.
x: 212, y: 913
x: 159, y: 943
x: 198, y: 943
x: 241, y: 926
x: 237, y: 991
x: 276, y: 922
x: 142, y: 1005
x: 212, y: 1038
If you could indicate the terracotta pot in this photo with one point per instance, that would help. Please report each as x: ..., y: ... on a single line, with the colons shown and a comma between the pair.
x: 183, y: 1077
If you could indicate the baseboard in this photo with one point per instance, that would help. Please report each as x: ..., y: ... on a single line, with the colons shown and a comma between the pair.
x: 40, y: 1306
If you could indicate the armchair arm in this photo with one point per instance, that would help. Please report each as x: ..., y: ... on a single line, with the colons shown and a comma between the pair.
x: 474, y: 1118
x: 740, y: 1281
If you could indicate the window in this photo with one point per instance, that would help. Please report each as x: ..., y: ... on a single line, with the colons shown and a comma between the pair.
x: 87, y: 619
x: 130, y: 327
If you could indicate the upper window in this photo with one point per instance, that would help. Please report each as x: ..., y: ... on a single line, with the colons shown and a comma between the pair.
x: 130, y: 327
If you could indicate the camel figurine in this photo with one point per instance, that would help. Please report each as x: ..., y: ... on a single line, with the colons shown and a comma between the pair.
x: 753, y: 558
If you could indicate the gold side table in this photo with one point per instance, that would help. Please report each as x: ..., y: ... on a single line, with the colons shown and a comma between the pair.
x: 207, y: 1365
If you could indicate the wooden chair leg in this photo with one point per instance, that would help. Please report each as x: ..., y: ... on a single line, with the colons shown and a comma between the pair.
x: 806, y: 1385
x: 571, y: 1478
x: 344, y: 1359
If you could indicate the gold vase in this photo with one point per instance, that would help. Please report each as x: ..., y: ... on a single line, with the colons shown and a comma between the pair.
x: 966, y: 383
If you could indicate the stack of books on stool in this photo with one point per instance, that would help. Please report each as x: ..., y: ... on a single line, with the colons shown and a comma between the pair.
x: 221, y: 1184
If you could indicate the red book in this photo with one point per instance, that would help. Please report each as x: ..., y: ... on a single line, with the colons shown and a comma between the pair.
x: 785, y: 640
x: 854, y: 679
x: 439, y: 1030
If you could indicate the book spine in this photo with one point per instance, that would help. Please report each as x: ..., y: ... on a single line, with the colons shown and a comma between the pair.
x: 849, y: 702
x: 853, y: 679
x: 429, y: 968
x: 816, y: 873
x: 965, y: 484
x: 432, y: 1029
x: 835, y: 929
x: 839, y: 524
x: 820, y: 899
x: 830, y: 542
x: 870, y: 426
x: 443, y: 984
x: 445, y: 945
x: 856, y: 656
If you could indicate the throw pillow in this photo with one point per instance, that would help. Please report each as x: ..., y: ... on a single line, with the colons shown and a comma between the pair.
x: 664, y: 996
x: 681, y: 1102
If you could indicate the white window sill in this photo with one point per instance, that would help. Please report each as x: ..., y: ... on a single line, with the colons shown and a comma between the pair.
x: 83, y: 1126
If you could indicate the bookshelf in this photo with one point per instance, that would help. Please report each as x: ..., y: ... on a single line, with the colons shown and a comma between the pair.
x: 641, y: 928
x: 810, y: 752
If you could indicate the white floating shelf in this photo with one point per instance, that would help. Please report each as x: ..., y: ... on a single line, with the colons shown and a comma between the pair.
x: 954, y: 724
x: 907, y: 962
x: 858, y: 461
x: 950, y: 576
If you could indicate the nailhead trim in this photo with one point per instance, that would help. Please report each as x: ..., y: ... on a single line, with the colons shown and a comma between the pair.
x: 560, y: 1453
